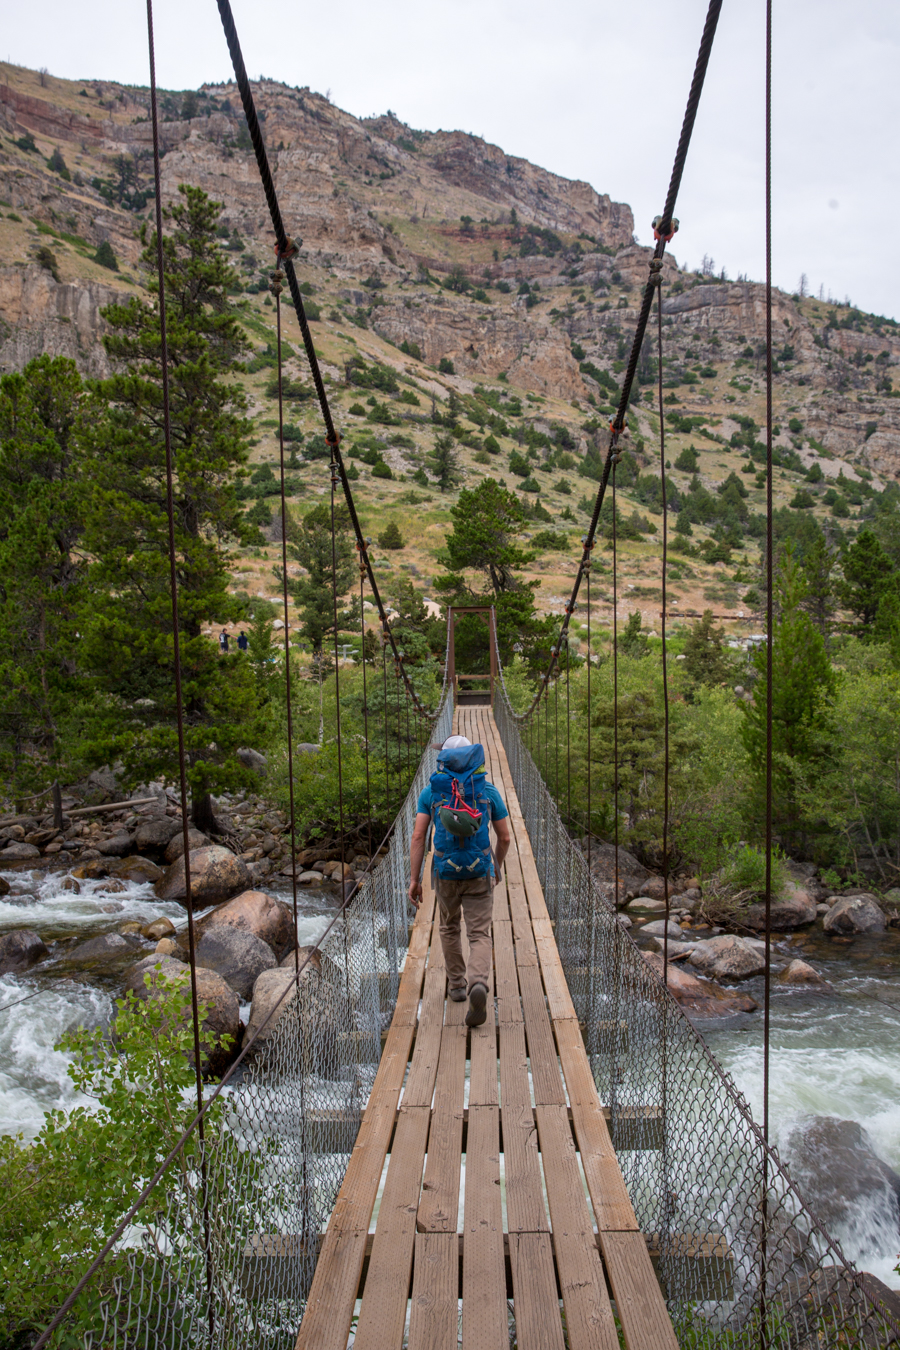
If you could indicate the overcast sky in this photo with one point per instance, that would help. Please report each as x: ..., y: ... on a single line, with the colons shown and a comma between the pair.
x: 589, y: 90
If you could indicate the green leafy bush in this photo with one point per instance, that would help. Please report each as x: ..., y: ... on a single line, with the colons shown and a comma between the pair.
x: 745, y: 870
x: 66, y: 1190
x: 381, y: 470
x: 445, y: 366
x: 106, y: 257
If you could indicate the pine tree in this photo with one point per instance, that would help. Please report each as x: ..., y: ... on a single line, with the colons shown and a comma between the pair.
x: 705, y: 658
x: 310, y: 545
x: 45, y: 413
x: 803, y: 685
x: 127, y: 631
x: 391, y: 537
x: 868, y: 579
x: 444, y: 463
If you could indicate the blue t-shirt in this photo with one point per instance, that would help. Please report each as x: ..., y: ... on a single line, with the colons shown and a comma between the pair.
x: 497, y: 804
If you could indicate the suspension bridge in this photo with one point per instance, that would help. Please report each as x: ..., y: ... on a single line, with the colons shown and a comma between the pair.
x: 578, y: 1171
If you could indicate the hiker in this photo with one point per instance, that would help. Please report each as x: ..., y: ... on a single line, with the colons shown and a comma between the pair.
x: 461, y: 804
x: 243, y: 641
x: 223, y: 642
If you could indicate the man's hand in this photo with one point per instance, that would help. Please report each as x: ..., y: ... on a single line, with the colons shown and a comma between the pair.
x: 416, y: 857
x: 415, y: 894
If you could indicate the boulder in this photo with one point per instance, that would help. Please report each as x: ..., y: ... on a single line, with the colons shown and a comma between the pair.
x: 216, y: 874
x: 238, y: 956
x: 93, y: 869
x: 159, y: 928
x: 793, y: 910
x: 222, y: 1020
x: 309, y: 878
x: 647, y: 904
x: 268, y: 989
x: 841, y: 1176
x: 699, y: 998
x: 302, y: 954
x: 655, y: 888
x: 106, y: 947
x: 728, y: 958
x: 632, y: 875
x: 118, y: 847
x: 154, y: 833
x: 855, y: 914
x: 20, y: 950
x: 799, y: 973
x: 252, y: 759
x: 175, y: 846
x: 70, y: 884
x: 657, y: 929
x: 257, y: 913
x: 135, y: 868
x: 169, y: 947
x: 4, y: 886
x: 19, y: 853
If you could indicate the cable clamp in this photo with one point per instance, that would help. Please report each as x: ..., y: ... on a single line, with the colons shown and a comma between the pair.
x: 658, y: 222
x: 276, y: 286
x: 290, y: 250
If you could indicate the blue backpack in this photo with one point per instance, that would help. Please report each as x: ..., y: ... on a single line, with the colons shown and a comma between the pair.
x: 460, y: 811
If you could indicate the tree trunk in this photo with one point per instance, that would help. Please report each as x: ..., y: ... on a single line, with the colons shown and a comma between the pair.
x: 202, y: 815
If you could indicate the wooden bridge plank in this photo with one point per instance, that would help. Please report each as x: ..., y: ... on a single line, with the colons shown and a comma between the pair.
x: 439, y: 1203
x: 419, y: 1087
x: 484, y: 1324
x: 382, y: 1318
x: 525, y: 1209
x: 545, y: 1075
x: 434, y: 1312
x: 639, y: 1301
x: 589, y: 1319
x: 509, y: 1007
x: 329, y: 1308
x: 535, y: 1296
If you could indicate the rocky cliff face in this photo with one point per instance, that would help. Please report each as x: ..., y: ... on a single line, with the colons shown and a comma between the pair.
x: 384, y: 211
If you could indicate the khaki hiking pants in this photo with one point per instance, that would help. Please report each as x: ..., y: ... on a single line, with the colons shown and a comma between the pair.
x: 473, y: 900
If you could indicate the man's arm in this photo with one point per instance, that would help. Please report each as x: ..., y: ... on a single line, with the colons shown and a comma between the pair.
x: 501, y: 830
x: 417, y: 854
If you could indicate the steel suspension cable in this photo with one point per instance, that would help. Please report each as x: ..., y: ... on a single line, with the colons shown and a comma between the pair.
x: 770, y: 575
x: 337, y: 677
x: 664, y: 227
x: 590, y: 714
x: 665, y: 541
x: 362, y: 622
x: 287, y: 249
x: 276, y: 291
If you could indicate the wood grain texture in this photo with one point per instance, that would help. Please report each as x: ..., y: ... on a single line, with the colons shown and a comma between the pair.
x: 484, y: 1268
x: 639, y: 1301
x: 434, y: 1311
x: 535, y: 1296
x: 589, y: 1319
x: 382, y: 1316
x: 439, y: 1203
x: 329, y: 1308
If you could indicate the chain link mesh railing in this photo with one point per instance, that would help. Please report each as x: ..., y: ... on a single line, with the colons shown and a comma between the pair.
x: 276, y: 1147
x: 742, y: 1262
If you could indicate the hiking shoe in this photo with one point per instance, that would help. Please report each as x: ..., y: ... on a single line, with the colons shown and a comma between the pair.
x: 477, y: 1013
x: 459, y: 995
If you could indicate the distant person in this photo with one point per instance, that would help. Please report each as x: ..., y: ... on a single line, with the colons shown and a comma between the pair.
x: 243, y: 641
x: 223, y: 642
x: 462, y: 803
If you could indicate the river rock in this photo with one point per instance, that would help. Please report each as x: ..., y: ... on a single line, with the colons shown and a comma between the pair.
x: 632, y: 874
x: 800, y: 973
x: 118, y: 847
x: 728, y: 958
x: 70, y: 884
x: 4, y: 886
x: 93, y: 869
x: 223, y: 1019
x: 19, y: 853
x: 238, y: 956
x: 310, y: 954
x: 153, y: 834
x: 855, y: 914
x: 20, y: 950
x: 648, y: 904
x: 268, y: 989
x: 793, y: 910
x: 252, y: 759
x: 699, y: 998
x: 106, y: 947
x: 159, y: 928
x: 216, y: 874
x: 175, y: 846
x: 657, y: 929
x: 840, y: 1175
x: 258, y: 913
x: 169, y: 947
x: 135, y: 868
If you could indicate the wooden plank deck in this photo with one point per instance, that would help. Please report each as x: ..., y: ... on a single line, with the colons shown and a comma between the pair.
x: 539, y: 1237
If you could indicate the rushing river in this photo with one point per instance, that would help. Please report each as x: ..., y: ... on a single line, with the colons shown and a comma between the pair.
x: 833, y: 1055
